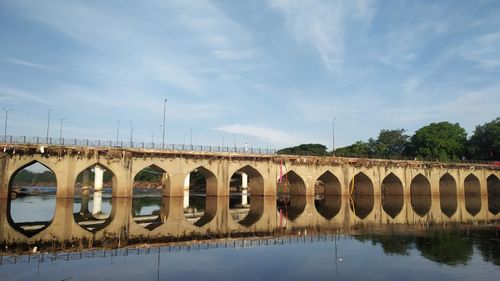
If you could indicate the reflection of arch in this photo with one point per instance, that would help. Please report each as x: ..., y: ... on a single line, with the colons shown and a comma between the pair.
x: 17, y: 226
x: 255, y: 213
x: 329, y: 206
x: 472, y: 191
x: 294, y: 183
x: 209, y: 212
x: 362, y: 195
x: 420, y: 192
x: 392, y: 195
x: 329, y: 190
x: 493, y: 188
x: 95, y: 222
x: 255, y: 180
x: 448, y: 195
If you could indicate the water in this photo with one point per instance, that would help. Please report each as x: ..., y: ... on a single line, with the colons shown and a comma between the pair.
x: 282, y: 238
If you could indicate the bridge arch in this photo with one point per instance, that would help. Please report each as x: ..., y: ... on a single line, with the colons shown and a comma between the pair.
x: 328, y: 195
x: 362, y: 195
x: 392, y: 195
x: 17, y: 215
x: 493, y: 189
x: 448, y: 195
x: 420, y: 194
x: 291, y: 183
x: 200, y: 203
x: 245, y: 207
x: 148, y: 188
x: 472, y: 194
x: 93, y: 207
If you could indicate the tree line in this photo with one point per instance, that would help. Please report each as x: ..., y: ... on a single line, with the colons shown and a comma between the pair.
x: 440, y: 141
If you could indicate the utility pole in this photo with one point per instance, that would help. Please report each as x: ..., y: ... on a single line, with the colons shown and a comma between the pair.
x: 48, y: 128
x: 164, y: 110
x: 333, y: 136
x: 191, y: 136
x: 6, y: 120
x: 117, y: 131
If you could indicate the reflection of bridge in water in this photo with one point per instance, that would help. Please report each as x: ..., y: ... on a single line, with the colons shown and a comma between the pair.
x: 355, y: 191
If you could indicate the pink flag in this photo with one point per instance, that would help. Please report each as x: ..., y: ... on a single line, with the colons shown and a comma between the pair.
x: 281, y: 171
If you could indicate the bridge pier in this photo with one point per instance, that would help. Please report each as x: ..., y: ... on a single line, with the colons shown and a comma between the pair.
x: 186, y: 191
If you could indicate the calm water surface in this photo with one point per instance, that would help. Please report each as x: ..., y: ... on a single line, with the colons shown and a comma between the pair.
x: 389, y: 252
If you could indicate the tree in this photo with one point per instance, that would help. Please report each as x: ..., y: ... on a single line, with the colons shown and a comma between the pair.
x: 356, y: 149
x: 391, y: 142
x: 441, y: 141
x: 305, y: 149
x: 484, y: 144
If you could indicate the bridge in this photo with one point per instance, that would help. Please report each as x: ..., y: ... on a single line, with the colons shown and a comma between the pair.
x: 355, y: 190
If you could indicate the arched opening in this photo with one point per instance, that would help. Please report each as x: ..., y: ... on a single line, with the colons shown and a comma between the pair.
x: 361, y: 190
x: 242, y: 184
x: 493, y: 188
x: 291, y: 200
x: 420, y: 192
x: 199, y: 209
x: 392, y: 195
x: 327, y: 195
x: 146, y: 196
x: 31, y: 204
x: 93, y: 206
x: 448, y: 195
x: 472, y: 190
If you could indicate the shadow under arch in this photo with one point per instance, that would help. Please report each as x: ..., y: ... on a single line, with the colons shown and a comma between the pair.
x: 361, y: 191
x: 493, y: 188
x: 202, y: 196
x: 472, y: 192
x: 86, y: 194
x: 291, y: 206
x: 448, y: 195
x: 328, y: 195
x: 392, y: 195
x: 245, y: 207
x: 420, y: 195
x: 30, y: 229
x: 147, y: 205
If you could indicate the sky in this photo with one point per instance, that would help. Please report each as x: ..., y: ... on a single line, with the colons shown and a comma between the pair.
x: 264, y: 72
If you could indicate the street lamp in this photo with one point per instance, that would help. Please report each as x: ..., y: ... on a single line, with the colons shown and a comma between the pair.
x: 60, y: 130
x: 164, y: 109
x: 117, y: 131
x: 333, y: 136
x: 48, y: 128
x: 6, y: 120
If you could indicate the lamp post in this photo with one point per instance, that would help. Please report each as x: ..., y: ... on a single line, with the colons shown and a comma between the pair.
x: 164, y: 109
x: 131, y: 132
x: 60, y: 130
x: 6, y: 121
x: 48, y: 128
x: 333, y: 136
x: 117, y: 131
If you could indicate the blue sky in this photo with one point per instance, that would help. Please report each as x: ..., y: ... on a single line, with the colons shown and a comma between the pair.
x: 262, y: 72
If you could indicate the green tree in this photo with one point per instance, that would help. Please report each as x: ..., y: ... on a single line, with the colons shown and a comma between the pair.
x: 441, y: 141
x: 392, y: 142
x: 357, y: 149
x: 305, y: 149
x: 484, y: 144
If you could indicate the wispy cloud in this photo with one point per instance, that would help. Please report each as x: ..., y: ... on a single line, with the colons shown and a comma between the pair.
x: 263, y: 133
x: 322, y: 24
x: 11, y: 93
x: 27, y: 63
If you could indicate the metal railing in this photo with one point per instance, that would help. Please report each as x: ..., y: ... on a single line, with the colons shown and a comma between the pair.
x: 127, y: 144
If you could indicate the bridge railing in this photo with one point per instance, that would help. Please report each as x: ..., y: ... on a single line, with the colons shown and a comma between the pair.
x: 127, y: 144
